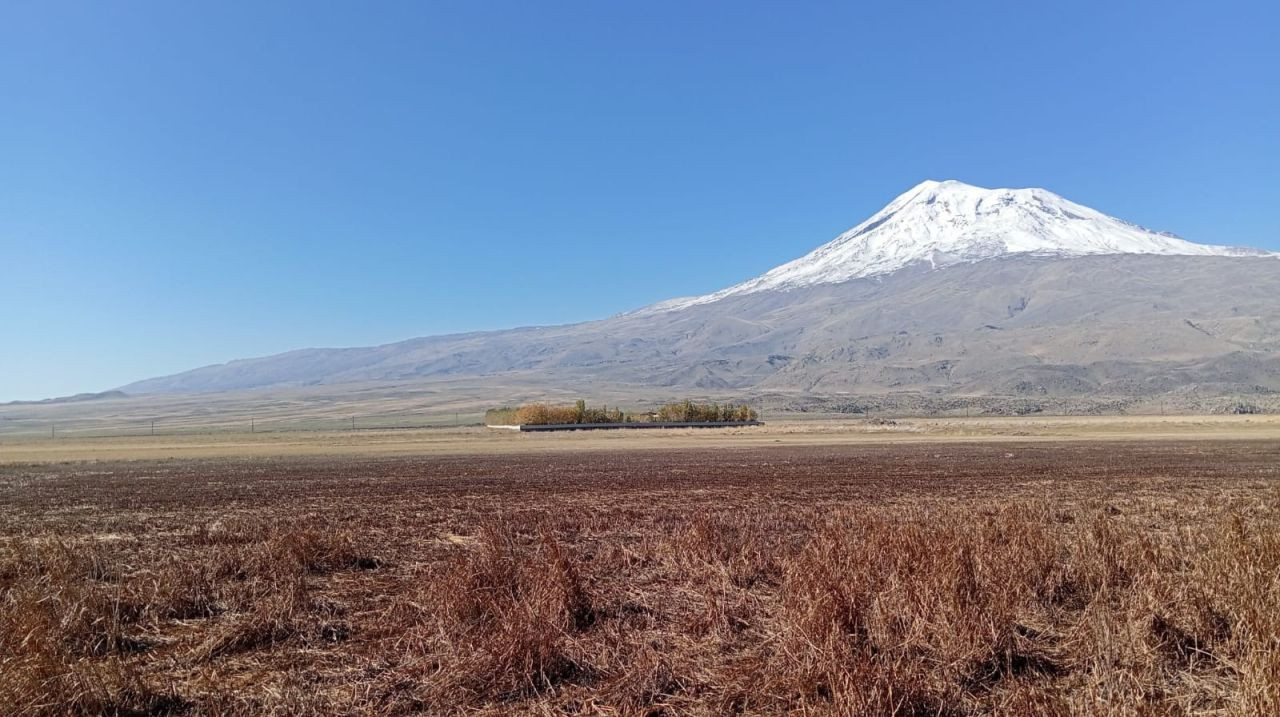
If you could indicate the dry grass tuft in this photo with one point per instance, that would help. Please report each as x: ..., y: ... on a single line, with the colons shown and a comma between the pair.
x: 505, y: 618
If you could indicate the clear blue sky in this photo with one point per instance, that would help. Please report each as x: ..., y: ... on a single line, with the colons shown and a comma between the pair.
x: 187, y: 183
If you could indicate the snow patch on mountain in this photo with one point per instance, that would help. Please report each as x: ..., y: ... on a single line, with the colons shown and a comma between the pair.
x: 943, y: 223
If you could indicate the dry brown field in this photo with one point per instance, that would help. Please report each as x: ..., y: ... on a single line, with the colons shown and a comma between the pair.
x: 931, y: 573
x: 798, y: 430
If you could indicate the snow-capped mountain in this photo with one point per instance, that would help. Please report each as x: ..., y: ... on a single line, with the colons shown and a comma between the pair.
x: 943, y: 223
x: 950, y: 289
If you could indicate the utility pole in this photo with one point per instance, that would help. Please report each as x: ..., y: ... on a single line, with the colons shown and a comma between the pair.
x: 252, y: 427
x: 353, y: 423
x: 53, y: 431
x: 153, y: 427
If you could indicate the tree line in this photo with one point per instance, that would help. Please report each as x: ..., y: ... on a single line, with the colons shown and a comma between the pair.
x: 542, y: 414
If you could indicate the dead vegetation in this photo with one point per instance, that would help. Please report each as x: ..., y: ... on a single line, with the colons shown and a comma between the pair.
x: 957, y: 580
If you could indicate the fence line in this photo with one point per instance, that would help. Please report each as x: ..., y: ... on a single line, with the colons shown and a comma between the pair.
x: 70, y: 427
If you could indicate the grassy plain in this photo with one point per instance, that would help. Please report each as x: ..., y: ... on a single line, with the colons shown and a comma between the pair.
x: 920, y: 568
x: 789, y: 430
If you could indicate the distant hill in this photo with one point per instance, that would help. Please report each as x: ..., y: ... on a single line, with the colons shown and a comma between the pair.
x: 78, y: 398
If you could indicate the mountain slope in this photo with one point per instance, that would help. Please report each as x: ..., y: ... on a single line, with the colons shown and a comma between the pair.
x: 939, y: 292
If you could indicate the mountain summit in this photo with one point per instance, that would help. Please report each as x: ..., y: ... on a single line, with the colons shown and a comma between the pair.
x: 943, y: 223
